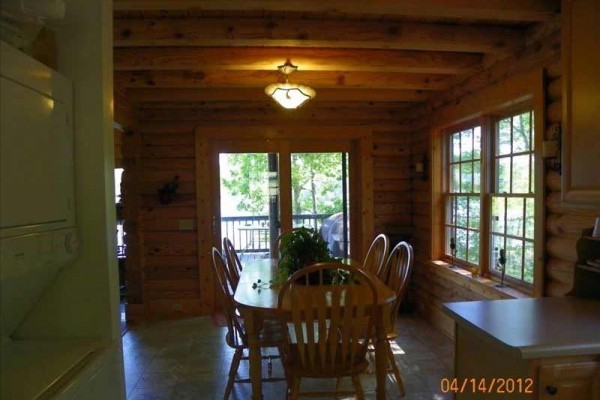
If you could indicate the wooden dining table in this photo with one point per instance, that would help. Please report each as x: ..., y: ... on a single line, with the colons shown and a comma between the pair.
x: 259, y: 304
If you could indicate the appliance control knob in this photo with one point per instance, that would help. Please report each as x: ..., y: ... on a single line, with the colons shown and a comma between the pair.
x: 69, y: 243
x: 72, y: 243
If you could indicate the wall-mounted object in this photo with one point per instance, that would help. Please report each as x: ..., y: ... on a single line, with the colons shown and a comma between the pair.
x: 551, y: 149
x: 419, y: 168
x: 168, y: 192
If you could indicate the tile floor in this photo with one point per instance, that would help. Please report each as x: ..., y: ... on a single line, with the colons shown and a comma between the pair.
x: 188, y: 359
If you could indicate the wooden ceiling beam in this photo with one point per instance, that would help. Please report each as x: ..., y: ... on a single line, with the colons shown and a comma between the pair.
x: 499, y: 10
x: 260, y: 79
x: 267, y: 59
x: 272, y: 113
x: 265, y: 102
x: 147, y: 95
x: 280, y: 32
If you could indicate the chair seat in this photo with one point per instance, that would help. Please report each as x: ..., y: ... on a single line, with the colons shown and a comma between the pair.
x: 270, y: 334
x: 330, y: 368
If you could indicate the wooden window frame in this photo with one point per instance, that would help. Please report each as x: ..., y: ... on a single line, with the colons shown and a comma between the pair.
x: 493, y: 192
x: 489, y: 137
x: 446, y: 187
x: 490, y: 101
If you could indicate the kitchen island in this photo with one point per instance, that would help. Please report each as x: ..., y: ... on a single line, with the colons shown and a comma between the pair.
x: 544, y: 348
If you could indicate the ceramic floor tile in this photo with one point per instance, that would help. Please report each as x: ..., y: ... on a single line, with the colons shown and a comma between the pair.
x: 188, y: 359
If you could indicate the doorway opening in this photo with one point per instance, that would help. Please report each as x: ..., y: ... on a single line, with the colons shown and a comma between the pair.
x: 121, y: 253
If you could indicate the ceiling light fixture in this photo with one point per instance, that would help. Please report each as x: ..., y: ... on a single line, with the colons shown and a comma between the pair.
x: 289, y: 95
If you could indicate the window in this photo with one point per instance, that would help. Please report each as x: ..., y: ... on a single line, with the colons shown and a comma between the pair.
x: 463, y: 202
x: 489, y: 195
x: 513, y: 200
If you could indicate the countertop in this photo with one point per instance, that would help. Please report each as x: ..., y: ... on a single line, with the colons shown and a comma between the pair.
x: 536, y: 328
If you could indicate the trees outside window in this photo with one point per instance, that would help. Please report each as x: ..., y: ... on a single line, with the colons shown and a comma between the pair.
x: 495, y: 210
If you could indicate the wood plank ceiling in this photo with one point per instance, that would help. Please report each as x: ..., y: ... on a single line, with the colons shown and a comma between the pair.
x: 193, y: 60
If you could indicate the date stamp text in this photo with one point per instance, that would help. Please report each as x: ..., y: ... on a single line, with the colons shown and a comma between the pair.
x: 487, y: 385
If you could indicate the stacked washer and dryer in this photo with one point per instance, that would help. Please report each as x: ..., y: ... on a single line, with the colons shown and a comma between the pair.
x: 38, y: 233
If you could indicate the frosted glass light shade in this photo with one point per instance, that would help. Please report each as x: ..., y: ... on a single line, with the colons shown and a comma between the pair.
x: 290, y: 95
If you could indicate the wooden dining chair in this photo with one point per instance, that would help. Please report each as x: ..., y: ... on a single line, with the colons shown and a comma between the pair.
x: 234, y: 265
x: 396, y: 275
x: 328, y: 332
x: 376, y: 255
x: 237, y: 337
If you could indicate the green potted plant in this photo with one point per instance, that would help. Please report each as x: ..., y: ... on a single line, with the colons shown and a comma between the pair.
x: 303, y: 247
x: 300, y: 248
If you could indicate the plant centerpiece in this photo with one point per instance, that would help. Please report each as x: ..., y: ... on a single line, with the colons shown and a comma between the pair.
x: 303, y: 247
x: 300, y: 248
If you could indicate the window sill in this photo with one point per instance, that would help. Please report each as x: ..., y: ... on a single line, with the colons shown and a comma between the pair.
x: 486, y: 284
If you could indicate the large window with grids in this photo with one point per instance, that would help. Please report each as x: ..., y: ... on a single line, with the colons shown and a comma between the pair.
x: 463, y: 200
x: 513, y: 196
x: 489, y: 195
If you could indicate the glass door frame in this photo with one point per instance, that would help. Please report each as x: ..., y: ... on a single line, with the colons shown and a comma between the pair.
x: 284, y: 148
x: 211, y: 140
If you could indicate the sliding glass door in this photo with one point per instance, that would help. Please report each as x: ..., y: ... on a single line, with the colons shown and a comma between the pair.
x: 264, y: 193
x: 319, y: 183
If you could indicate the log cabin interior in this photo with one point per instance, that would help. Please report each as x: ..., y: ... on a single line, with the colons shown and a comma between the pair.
x: 453, y: 115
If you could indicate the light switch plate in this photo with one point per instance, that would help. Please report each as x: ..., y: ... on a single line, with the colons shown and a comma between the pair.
x: 186, y: 224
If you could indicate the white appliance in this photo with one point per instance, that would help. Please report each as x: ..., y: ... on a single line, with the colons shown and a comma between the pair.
x: 38, y: 235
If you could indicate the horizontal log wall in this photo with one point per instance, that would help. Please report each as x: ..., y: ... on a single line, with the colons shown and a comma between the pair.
x: 164, y: 276
x: 392, y: 158
x: 434, y: 285
x: 165, y: 282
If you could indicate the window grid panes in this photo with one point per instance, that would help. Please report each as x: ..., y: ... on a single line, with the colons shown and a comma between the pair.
x: 463, y: 198
x: 513, y: 199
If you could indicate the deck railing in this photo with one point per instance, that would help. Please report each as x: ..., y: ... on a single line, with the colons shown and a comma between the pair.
x: 250, y: 234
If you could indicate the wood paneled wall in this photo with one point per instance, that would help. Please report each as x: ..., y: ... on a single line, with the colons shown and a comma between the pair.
x: 432, y: 284
x: 162, y: 264
x: 161, y: 238
x: 392, y: 156
x: 163, y: 273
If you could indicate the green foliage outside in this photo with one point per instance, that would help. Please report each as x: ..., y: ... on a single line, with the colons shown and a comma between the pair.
x: 465, y: 182
x: 316, y: 182
x: 248, y: 180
